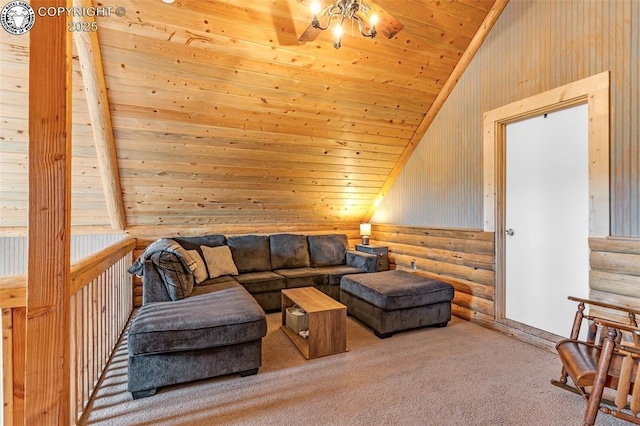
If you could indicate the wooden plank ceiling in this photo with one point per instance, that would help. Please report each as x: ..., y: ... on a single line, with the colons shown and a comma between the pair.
x: 221, y: 116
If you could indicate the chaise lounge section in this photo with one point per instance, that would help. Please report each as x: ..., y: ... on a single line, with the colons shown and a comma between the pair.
x: 214, y: 334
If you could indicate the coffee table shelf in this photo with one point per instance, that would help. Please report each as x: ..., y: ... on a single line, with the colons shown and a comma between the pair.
x: 327, y: 322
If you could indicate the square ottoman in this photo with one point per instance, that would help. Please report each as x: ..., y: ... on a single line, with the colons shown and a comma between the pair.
x: 392, y: 301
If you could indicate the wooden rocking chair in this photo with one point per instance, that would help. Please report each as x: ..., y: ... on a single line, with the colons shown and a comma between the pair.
x: 607, y: 359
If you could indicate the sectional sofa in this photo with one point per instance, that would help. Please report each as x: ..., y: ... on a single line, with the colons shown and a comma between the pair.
x: 265, y: 265
x: 205, y: 297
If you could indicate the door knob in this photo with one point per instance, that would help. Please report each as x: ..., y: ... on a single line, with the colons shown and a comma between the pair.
x: 510, y: 231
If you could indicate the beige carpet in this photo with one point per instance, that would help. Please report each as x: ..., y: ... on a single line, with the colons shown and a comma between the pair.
x: 463, y: 374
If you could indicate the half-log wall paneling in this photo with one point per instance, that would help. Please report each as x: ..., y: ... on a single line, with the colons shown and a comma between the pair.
x: 615, y: 270
x: 463, y: 258
x: 534, y: 46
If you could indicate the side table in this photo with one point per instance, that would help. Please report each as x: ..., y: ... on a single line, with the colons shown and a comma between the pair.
x: 381, y: 251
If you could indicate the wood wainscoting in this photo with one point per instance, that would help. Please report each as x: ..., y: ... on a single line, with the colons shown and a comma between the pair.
x: 615, y: 271
x: 463, y: 258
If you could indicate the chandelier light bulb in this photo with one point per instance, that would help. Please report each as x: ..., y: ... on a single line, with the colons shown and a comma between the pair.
x: 353, y: 11
x: 315, y: 8
x: 337, y: 32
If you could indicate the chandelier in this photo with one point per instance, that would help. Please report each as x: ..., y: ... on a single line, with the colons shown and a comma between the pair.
x: 343, y: 10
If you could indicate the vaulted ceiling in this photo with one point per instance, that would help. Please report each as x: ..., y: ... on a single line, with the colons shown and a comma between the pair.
x: 220, y: 115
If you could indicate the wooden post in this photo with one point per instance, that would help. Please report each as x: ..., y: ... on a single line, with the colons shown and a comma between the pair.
x: 47, y: 340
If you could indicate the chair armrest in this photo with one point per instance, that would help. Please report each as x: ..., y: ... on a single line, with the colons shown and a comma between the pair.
x: 635, y: 333
x: 605, y: 305
x: 360, y: 260
x: 618, y: 325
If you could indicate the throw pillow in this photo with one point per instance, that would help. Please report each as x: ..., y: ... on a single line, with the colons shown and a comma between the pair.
x: 200, y: 273
x: 194, y: 243
x: 219, y: 261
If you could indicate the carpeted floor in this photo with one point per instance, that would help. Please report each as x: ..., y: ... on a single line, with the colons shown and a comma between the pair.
x: 463, y: 374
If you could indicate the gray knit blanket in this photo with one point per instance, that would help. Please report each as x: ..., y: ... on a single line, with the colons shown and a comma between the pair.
x: 163, y: 244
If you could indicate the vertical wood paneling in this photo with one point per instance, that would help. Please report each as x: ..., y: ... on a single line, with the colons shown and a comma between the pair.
x: 14, y: 250
x: 84, y: 245
x: 535, y: 46
x: 13, y: 260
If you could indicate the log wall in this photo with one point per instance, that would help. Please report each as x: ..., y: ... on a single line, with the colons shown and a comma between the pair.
x: 463, y: 258
x: 615, y: 270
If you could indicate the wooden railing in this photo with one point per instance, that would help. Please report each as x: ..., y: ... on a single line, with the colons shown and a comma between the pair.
x: 100, y: 305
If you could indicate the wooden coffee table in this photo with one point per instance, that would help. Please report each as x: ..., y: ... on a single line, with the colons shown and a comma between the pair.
x: 327, y: 322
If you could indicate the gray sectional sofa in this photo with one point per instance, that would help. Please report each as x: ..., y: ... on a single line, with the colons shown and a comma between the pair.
x: 266, y: 264
x: 192, y: 326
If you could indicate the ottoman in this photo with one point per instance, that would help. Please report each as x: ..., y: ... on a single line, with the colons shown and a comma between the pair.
x: 392, y: 301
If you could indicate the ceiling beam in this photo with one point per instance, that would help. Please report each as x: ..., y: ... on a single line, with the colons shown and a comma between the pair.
x: 96, y: 91
x: 448, y: 87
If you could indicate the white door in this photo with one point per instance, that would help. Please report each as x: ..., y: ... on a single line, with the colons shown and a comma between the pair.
x: 547, y: 218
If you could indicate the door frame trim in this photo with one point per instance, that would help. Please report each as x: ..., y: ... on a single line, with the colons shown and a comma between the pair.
x: 593, y: 91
